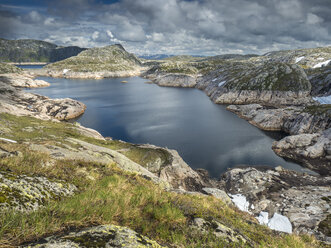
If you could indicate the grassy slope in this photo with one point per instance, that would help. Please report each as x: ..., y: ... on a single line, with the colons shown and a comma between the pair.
x: 109, y: 195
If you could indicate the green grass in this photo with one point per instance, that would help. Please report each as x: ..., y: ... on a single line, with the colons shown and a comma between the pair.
x: 108, y: 195
x: 129, y: 200
x: 56, y: 133
x: 324, y: 109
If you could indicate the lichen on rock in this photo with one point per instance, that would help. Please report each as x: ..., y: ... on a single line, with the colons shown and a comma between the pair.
x: 99, y: 236
x: 26, y: 193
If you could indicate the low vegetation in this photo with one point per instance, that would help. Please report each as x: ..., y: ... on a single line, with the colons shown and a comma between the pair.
x: 324, y: 109
x: 108, y: 195
x: 7, y: 68
x: 111, y: 58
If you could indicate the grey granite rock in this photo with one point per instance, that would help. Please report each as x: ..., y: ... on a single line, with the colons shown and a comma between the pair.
x: 100, y: 236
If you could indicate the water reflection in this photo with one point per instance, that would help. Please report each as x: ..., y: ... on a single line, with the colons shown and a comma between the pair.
x: 205, y: 134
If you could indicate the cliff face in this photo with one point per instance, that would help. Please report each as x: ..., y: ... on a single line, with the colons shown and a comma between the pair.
x: 34, y: 51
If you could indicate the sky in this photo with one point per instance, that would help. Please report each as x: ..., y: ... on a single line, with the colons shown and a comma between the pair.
x: 196, y: 27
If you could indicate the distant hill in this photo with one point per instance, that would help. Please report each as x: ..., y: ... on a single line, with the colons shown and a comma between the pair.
x: 112, y: 58
x: 28, y: 50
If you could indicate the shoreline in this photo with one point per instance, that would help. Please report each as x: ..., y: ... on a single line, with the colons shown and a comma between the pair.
x: 298, y: 162
x: 27, y: 63
x: 185, y: 180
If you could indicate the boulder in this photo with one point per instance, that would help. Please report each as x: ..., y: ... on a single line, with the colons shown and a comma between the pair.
x: 99, y: 236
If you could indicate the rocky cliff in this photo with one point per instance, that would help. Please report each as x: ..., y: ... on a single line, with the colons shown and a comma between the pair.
x: 34, y: 51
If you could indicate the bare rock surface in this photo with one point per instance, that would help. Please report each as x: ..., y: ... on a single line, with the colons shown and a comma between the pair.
x: 303, y: 198
x: 219, y: 230
x: 272, y: 83
x: 292, y: 120
x: 24, y: 193
x: 98, y: 236
x: 312, y: 150
x: 14, y: 100
x: 87, y: 75
x: 175, y: 80
x: 23, y: 80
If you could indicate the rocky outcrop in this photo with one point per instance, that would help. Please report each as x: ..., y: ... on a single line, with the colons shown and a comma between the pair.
x: 99, y: 236
x: 175, y: 80
x: 303, y: 198
x: 109, y: 61
x: 269, y: 84
x: 310, y: 136
x: 14, y: 100
x: 175, y: 173
x: 292, y: 120
x: 23, y: 81
x: 219, y: 230
x: 320, y: 79
x: 312, y: 150
x: 24, y: 193
x: 67, y: 73
x: 305, y: 58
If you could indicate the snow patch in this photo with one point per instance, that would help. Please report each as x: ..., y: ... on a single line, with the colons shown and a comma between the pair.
x: 8, y: 140
x: 322, y: 64
x: 240, y: 201
x: 320, y: 58
x: 221, y: 83
x: 323, y: 99
x: 299, y: 59
x: 280, y: 223
x: 65, y: 71
x: 214, y: 79
x: 263, y: 218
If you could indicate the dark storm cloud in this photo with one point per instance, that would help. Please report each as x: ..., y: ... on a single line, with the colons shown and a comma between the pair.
x: 178, y: 26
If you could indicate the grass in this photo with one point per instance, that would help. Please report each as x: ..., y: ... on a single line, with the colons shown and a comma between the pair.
x: 129, y: 200
x: 324, y: 109
x: 108, y: 195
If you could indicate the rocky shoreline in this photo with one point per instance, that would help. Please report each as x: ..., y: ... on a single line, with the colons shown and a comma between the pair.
x: 303, y: 199
x: 85, y: 75
x: 14, y: 100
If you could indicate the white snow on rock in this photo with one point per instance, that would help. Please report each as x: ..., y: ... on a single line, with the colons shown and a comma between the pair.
x: 323, y: 99
x: 8, y: 140
x: 221, y: 83
x: 214, y: 79
x: 263, y: 218
x: 280, y: 223
x: 240, y: 201
x: 322, y: 64
x: 65, y: 71
x: 299, y: 59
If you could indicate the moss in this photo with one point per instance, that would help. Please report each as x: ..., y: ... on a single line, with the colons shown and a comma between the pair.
x: 324, y: 109
x: 325, y: 226
x: 92, y: 240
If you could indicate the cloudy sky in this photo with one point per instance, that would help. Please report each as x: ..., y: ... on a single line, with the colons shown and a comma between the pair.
x: 200, y: 27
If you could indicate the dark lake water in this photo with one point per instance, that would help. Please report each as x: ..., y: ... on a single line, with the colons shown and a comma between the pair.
x: 206, y: 135
x: 30, y: 66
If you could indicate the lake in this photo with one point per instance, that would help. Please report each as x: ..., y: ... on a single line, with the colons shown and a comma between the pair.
x: 30, y: 66
x: 205, y: 134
